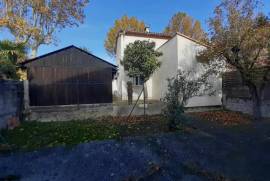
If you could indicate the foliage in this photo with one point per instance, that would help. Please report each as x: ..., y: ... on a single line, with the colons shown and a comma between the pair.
x: 123, y: 24
x: 8, y: 70
x: 181, y: 22
x: 13, y: 52
x: 185, y: 85
x: 241, y: 37
x: 35, y: 22
x: 140, y: 59
x: 10, y: 54
x: 174, y: 109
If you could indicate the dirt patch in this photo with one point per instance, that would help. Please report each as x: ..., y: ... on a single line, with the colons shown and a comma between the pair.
x: 131, y: 119
x: 225, y: 118
x: 138, y: 125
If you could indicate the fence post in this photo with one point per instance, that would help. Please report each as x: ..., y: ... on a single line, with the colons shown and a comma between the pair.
x: 26, y: 98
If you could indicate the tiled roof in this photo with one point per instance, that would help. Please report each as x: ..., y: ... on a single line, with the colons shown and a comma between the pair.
x: 148, y: 35
x: 160, y: 36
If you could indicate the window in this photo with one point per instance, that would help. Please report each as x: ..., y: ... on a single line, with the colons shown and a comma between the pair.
x: 137, y: 80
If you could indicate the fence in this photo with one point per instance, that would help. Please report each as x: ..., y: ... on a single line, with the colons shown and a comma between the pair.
x: 11, y: 100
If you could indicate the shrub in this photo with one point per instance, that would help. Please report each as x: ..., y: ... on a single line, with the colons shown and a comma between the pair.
x: 184, y: 86
x: 174, y: 108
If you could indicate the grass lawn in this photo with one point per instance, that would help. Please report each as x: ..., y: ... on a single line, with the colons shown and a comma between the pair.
x: 35, y: 135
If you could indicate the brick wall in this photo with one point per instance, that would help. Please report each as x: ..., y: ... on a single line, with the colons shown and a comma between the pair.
x: 11, y: 99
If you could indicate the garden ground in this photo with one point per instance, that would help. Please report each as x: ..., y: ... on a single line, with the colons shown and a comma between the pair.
x: 208, y: 149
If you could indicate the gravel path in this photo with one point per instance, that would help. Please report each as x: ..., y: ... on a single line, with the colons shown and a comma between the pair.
x: 212, y: 153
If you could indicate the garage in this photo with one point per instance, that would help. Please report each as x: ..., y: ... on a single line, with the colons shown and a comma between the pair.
x: 69, y: 76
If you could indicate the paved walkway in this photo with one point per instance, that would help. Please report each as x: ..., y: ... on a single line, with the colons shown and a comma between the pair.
x: 211, y: 153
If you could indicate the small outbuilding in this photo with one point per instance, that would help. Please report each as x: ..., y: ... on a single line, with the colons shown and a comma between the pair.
x: 69, y: 76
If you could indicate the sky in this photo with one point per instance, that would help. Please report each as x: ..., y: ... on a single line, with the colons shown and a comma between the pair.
x: 101, y: 14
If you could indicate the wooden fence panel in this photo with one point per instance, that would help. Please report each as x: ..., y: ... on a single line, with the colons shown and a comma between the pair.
x: 233, y: 87
x: 67, y: 85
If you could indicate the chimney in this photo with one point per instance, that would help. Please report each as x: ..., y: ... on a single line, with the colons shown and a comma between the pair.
x: 147, y: 29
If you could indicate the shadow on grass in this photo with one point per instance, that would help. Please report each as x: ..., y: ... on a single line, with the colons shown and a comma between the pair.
x: 11, y: 178
x: 195, y: 169
x: 36, y: 135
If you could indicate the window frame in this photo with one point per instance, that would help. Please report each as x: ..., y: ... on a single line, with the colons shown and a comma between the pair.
x: 137, y: 81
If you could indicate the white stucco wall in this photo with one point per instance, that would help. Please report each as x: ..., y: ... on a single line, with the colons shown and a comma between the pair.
x: 122, y: 79
x: 187, y: 51
x: 168, y: 68
x: 178, y: 53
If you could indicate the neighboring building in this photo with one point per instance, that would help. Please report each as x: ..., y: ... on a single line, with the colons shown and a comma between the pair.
x: 179, y: 52
x: 69, y: 76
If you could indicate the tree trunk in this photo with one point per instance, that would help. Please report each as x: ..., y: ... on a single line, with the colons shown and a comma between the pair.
x: 256, y: 102
x: 34, y: 52
x: 130, y: 92
x: 144, y: 96
x: 146, y: 93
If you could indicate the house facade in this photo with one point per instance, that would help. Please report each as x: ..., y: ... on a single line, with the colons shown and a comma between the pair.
x: 179, y: 52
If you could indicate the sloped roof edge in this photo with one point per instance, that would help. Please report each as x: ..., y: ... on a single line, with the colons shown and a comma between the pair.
x: 62, y: 49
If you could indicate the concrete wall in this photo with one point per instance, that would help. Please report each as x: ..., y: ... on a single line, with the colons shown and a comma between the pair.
x: 11, y: 100
x: 187, y: 51
x: 73, y: 112
x: 245, y: 106
x: 236, y: 96
x: 168, y: 68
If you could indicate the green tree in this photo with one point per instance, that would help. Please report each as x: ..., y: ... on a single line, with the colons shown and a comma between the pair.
x: 141, y: 60
x: 123, y: 24
x: 241, y: 37
x: 34, y: 22
x: 182, y: 23
x: 10, y: 54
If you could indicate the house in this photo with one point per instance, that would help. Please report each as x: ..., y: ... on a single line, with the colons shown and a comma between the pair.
x: 179, y: 52
x: 69, y: 76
